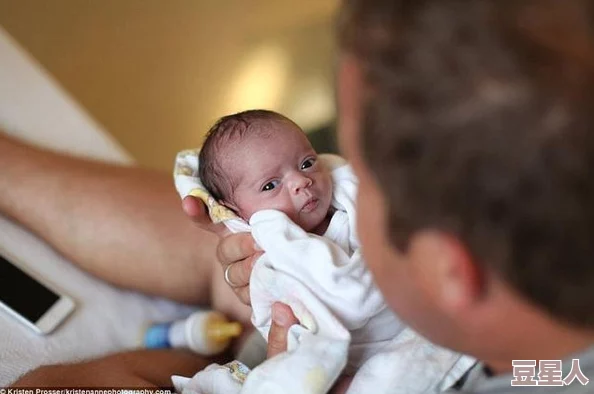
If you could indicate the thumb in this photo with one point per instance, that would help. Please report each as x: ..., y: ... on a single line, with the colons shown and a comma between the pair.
x: 194, y: 208
x: 282, y: 319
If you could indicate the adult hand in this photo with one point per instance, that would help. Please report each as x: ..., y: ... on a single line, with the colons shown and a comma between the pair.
x: 237, y: 254
x: 196, y: 210
x: 138, y: 368
x: 282, y: 319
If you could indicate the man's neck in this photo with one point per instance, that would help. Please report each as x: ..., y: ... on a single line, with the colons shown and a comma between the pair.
x: 555, y: 347
x: 530, y: 334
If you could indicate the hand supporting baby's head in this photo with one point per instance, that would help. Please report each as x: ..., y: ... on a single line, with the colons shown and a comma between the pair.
x: 260, y: 159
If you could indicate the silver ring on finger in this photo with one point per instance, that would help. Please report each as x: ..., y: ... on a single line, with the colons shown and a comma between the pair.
x: 227, y: 280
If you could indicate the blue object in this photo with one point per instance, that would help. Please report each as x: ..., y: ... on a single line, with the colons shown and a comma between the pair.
x: 157, y: 336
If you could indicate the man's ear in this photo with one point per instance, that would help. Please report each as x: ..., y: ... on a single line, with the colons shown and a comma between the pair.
x: 445, y: 267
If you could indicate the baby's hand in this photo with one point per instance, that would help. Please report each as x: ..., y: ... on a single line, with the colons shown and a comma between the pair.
x: 237, y: 254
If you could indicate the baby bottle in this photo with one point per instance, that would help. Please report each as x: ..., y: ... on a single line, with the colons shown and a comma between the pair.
x: 203, y: 332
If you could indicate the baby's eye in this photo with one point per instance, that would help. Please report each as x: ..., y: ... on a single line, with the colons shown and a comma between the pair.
x: 308, y: 163
x: 269, y: 186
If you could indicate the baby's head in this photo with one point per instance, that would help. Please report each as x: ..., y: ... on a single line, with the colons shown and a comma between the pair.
x: 260, y: 159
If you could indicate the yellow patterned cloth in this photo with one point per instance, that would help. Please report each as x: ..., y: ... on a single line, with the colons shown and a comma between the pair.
x: 187, y: 183
x: 239, y: 371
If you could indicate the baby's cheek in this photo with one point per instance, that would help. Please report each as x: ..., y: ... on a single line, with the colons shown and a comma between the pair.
x: 328, y: 186
x: 247, y: 209
x: 281, y: 203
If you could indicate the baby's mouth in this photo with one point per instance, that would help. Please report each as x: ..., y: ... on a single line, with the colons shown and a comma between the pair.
x: 310, y: 205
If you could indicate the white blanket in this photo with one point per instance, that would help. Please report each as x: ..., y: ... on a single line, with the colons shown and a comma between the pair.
x: 321, y: 277
x: 344, y: 320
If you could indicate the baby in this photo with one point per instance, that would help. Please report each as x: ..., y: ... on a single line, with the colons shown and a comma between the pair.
x: 258, y: 172
x: 259, y: 160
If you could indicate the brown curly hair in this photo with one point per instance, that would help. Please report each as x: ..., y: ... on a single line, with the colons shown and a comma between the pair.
x: 479, y: 122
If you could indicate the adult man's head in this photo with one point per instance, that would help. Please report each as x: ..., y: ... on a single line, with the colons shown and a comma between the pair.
x: 471, y: 126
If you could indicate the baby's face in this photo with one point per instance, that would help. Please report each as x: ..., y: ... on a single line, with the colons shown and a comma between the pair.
x: 279, y: 171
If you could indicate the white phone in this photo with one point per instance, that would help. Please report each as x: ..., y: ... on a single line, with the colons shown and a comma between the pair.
x: 29, y: 299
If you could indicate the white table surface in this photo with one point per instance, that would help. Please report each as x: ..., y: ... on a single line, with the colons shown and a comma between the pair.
x: 35, y: 108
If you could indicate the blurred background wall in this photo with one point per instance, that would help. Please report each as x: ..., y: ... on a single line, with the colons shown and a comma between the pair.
x: 157, y: 73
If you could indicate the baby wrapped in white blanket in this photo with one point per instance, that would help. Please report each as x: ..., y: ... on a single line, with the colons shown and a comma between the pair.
x: 301, y: 211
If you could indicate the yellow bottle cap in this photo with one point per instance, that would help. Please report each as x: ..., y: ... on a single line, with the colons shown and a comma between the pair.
x: 222, y: 331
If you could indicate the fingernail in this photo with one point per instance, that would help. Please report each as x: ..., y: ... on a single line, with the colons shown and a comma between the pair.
x: 279, y: 316
x: 257, y: 247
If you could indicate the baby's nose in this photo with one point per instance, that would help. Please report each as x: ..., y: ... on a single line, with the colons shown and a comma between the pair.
x: 300, y: 182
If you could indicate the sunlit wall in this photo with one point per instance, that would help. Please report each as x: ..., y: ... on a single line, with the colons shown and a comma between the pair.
x: 157, y: 73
